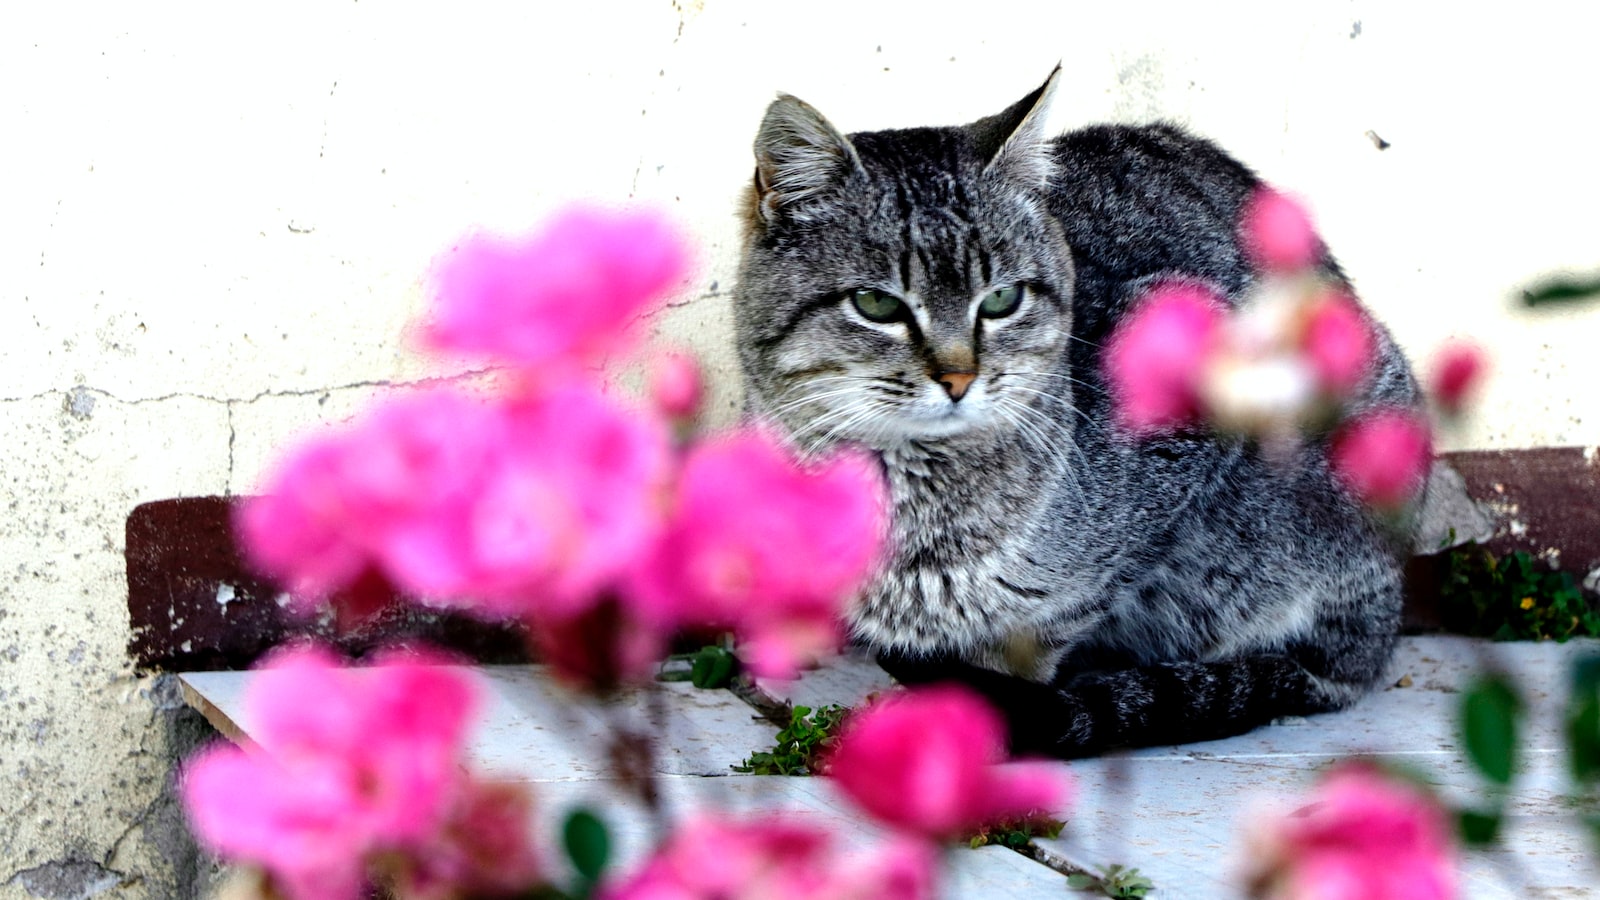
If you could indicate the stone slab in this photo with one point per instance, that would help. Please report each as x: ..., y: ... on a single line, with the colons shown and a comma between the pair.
x: 1179, y: 814
x: 532, y: 729
x: 984, y: 872
x: 846, y: 679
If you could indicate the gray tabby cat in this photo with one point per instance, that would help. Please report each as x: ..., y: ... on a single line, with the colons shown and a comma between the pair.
x: 940, y: 296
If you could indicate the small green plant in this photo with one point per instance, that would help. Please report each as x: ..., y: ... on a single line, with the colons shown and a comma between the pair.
x: 1513, y: 597
x: 1115, y: 881
x: 1016, y: 833
x: 712, y: 666
x: 1583, y: 742
x: 799, y: 747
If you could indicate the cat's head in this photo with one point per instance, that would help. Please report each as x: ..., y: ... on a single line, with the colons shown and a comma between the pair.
x: 903, y: 285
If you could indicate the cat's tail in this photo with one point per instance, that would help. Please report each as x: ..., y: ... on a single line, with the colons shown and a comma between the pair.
x: 1168, y: 703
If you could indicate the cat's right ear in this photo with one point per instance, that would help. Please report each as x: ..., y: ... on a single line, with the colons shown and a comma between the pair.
x: 800, y: 159
x: 1015, y: 143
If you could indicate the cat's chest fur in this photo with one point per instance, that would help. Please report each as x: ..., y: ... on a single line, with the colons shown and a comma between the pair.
x: 964, y: 575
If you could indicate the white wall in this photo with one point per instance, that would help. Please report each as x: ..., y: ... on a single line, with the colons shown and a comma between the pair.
x: 213, y: 219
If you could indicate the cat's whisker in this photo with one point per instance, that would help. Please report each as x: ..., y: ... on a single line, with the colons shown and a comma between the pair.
x: 836, y: 421
x: 1036, y: 428
x: 1064, y: 433
x: 816, y: 397
x: 1048, y: 397
x: 877, y: 383
x: 841, y: 433
x: 1075, y: 382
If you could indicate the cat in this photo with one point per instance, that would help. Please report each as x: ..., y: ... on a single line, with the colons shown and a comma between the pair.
x: 940, y: 297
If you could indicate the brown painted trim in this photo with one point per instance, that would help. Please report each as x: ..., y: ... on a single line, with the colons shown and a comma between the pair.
x: 1545, y: 501
x: 193, y: 605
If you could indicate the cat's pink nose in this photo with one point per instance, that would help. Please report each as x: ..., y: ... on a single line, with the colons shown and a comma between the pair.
x: 956, y: 383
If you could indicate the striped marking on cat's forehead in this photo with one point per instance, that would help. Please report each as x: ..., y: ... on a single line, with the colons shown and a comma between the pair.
x: 943, y: 259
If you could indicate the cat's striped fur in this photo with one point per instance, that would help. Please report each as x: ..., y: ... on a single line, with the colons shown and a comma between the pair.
x: 1103, y: 591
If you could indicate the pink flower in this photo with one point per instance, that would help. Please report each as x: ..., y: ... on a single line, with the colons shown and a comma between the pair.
x: 601, y: 647
x: 764, y: 545
x: 566, y: 496
x: 1276, y: 232
x: 928, y: 761
x: 485, y: 848
x: 297, y: 533
x: 503, y: 506
x: 774, y: 857
x: 337, y: 503
x: 675, y: 385
x: 1458, y: 367
x: 1339, y: 343
x: 347, y: 763
x: 1383, y: 456
x: 1156, y: 358
x: 571, y: 295
x: 1363, y: 836
x: 245, y: 808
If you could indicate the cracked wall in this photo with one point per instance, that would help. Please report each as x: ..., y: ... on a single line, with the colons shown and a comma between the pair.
x: 214, y: 223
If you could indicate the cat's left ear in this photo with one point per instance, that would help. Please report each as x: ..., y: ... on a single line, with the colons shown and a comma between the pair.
x: 801, y: 159
x: 1015, y: 142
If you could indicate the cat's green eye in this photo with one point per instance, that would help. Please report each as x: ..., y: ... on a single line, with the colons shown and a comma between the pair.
x: 1001, y: 303
x: 876, y: 305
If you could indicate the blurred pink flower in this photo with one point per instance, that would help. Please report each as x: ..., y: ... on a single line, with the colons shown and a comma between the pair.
x: 775, y: 857
x: 1277, y: 233
x: 767, y: 546
x: 246, y: 808
x: 601, y: 647
x: 1383, y: 456
x: 347, y: 762
x: 1457, y: 369
x: 503, y: 506
x: 1339, y: 343
x: 337, y: 503
x: 1156, y: 358
x: 486, y: 847
x: 929, y: 760
x: 568, y: 497
x: 297, y: 533
x: 570, y: 295
x: 676, y: 385
x: 1363, y: 836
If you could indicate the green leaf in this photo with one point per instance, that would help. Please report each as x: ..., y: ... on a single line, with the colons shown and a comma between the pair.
x: 713, y: 667
x: 1583, y: 720
x: 587, y: 843
x: 799, y: 746
x: 700, y: 669
x: 1562, y: 290
x: 1489, y: 719
x: 1593, y: 824
x: 1114, y: 881
x: 1477, y: 828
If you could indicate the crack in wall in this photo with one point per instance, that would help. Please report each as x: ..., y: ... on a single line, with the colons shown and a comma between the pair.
x: 208, y: 398
x: 233, y: 436
x: 74, y: 395
x: 66, y: 879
